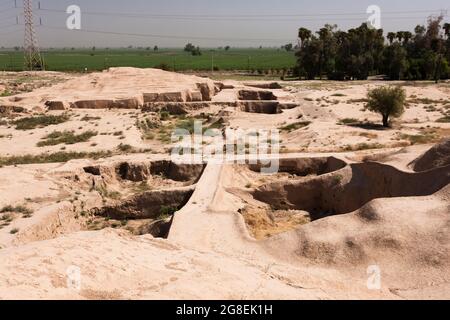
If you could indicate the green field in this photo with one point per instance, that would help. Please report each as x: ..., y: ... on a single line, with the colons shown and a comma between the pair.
x: 175, y: 59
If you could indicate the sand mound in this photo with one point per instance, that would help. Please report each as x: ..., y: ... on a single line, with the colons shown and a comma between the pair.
x: 407, y: 238
x: 121, y: 88
x: 438, y: 156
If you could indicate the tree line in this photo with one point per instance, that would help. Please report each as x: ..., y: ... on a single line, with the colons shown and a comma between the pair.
x: 364, y: 51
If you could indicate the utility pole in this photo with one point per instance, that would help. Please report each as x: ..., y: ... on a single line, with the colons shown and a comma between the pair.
x: 33, y: 58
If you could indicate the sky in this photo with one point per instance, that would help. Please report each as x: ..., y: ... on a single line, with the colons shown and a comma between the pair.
x: 207, y: 23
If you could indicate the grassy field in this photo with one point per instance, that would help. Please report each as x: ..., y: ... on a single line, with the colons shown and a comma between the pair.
x: 178, y: 60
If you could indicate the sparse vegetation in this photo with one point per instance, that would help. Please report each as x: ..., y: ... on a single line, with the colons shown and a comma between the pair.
x: 42, y: 121
x: 89, y: 118
x: 348, y: 121
x: 363, y: 146
x: 66, y: 137
x: 445, y: 119
x: 52, y: 158
x: 166, y: 212
x: 424, y: 138
x: 17, y: 209
x: 6, y: 93
x: 124, y: 147
x: 295, y: 126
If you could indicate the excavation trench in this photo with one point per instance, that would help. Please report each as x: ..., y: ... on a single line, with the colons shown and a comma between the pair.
x: 350, y: 188
x: 322, y: 187
x: 304, y: 166
x: 156, y: 190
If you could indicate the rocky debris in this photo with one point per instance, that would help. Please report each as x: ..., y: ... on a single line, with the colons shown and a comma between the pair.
x: 158, y: 229
x: 256, y: 95
x: 205, y: 92
x: 6, y: 110
x: 181, y: 96
x: 175, y: 108
x: 208, y: 90
x: 56, y: 105
x: 177, y: 172
x: 272, y: 86
x: 133, y: 172
x: 222, y: 86
x: 267, y: 107
x: 131, y: 103
x: 142, y: 171
x: 436, y: 157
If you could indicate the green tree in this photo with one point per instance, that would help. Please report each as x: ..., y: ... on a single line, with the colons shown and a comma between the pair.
x: 396, y: 61
x: 189, y: 47
x: 391, y: 37
x: 387, y: 101
x: 288, y: 47
x: 304, y: 34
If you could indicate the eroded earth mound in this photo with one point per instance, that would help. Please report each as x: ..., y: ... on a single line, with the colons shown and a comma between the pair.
x: 89, y: 185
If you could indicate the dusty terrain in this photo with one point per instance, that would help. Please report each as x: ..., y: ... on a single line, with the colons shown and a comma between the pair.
x: 87, y: 182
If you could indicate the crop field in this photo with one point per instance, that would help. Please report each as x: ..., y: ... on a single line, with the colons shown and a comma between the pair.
x: 257, y: 60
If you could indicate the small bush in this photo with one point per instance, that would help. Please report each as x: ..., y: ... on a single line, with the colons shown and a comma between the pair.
x: 39, y: 121
x: 89, y: 118
x: 124, y: 147
x: 14, y: 231
x: 164, y: 115
x: 6, y: 93
x: 445, y: 119
x: 419, y: 139
x: 18, y: 209
x: 66, y: 137
x: 295, y: 126
x: 166, y: 212
x: 347, y: 121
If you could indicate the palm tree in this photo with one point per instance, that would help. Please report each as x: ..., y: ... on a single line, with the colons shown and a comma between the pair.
x: 391, y: 36
x: 304, y: 34
x: 400, y: 36
x: 446, y: 28
x: 407, y: 36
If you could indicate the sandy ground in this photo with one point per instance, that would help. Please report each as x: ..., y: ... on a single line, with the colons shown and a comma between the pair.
x: 238, y: 235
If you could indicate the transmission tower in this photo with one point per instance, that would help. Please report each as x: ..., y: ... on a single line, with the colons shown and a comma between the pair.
x: 33, y: 59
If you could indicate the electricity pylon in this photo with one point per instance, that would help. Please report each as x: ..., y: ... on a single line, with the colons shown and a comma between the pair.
x: 33, y: 58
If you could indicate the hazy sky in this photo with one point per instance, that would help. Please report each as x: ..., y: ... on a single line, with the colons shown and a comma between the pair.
x: 204, y: 22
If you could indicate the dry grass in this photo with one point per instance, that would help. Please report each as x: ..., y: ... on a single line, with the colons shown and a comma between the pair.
x: 41, y: 121
x: 295, y: 126
x: 265, y: 223
x: 52, y: 158
x: 66, y: 137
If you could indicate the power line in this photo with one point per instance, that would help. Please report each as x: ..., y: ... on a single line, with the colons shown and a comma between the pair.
x: 183, y: 37
x: 247, y: 18
x: 11, y: 32
x: 255, y: 19
x: 8, y: 9
x: 147, y: 15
